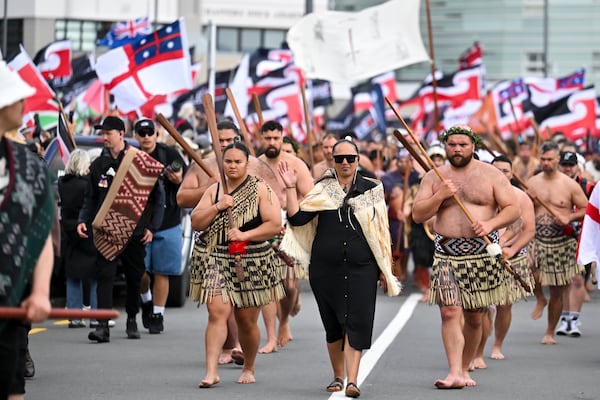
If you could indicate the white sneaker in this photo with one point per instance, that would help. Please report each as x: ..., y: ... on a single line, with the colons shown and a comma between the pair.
x: 575, y: 325
x: 564, y: 328
x: 94, y: 323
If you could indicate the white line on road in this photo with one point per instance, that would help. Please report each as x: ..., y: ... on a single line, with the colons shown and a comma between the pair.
x: 370, y: 358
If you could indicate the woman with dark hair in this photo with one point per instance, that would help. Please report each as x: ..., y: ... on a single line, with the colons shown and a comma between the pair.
x: 343, y: 211
x: 240, y: 267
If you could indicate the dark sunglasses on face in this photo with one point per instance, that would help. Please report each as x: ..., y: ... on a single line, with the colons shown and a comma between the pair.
x: 145, y: 133
x: 340, y: 158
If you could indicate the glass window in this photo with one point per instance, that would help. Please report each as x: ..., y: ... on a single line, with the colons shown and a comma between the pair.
x: 227, y: 39
x: 250, y: 39
x: 273, y: 39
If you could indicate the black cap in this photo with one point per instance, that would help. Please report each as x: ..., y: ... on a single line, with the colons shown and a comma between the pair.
x: 144, y: 125
x: 110, y: 123
x: 568, y: 158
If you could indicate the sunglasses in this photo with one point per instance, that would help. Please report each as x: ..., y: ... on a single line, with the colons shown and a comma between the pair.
x: 145, y: 133
x: 349, y: 157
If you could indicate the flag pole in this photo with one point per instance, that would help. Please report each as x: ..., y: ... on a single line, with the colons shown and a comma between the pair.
x: 436, y: 122
x: 61, y: 112
x: 259, y: 114
x: 240, y: 121
x: 309, y: 137
x: 209, y: 110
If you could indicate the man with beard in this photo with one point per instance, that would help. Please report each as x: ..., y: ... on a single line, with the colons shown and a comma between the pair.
x: 272, y: 140
x: 554, y: 246
x: 466, y: 276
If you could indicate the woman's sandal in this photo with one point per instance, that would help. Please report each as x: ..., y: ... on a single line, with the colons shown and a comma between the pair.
x: 336, y: 385
x: 352, y: 390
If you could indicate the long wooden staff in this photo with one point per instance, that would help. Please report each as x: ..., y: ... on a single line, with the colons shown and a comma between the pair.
x: 258, y: 109
x: 411, y: 149
x: 500, y: 257
x: 60, y: 313
x: 436, y: 122
x: 309, y: 136
x: 209, y: 110
x: 161, y: 119
x: 240, y: 121
x: 524, y: 186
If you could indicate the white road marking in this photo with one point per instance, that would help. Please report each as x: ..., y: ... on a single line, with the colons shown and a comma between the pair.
x: 370, y: 358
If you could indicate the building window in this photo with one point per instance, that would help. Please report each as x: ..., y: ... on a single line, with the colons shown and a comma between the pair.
x: 13, y: 38
x: 83, y: 34
x: 595, y: 62
x: 243, y: 40
x: 250, y: 39
x: 534, y: 62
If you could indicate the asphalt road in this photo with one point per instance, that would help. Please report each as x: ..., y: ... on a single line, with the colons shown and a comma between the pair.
x: 405, y: 359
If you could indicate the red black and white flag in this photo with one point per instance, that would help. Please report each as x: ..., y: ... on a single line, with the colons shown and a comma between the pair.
x: 54, y: 60
x: 573, y: 115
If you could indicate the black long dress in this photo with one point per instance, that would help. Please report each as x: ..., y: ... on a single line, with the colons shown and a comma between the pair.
x: 78, y: 254
x: 343, y: 273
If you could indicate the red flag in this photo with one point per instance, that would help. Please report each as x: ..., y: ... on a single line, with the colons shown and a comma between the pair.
x: 43, y: 101
x: 54, y: 60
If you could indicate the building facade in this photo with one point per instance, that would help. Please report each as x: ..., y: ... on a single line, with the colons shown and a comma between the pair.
x: 512, y: 33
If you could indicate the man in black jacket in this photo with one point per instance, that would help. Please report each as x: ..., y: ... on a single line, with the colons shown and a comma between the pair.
x: 103, y: 171
x: 163, y: 254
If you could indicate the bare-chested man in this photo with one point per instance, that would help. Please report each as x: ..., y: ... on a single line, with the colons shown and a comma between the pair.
x: 272, y: 140
x: 194, y: 184
x: 554, y: 259
x: 514, y: 241
x: 492, y: 205
x: 327, y: 147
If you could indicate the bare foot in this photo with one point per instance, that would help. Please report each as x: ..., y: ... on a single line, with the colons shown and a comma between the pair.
x: 479, y: 363
x: 538, y: 311
x: 469, y: 382
x: 296, y: 309
x: 238, y: 356
x: 268, y: 348
x: 247, y: 376
x: 425, y: 297
x: 225, y: 357
x: 285, y: 335
x: 548, y: 339
x: 208, y: 382
x: 497, y: 353
x: 450, y: 383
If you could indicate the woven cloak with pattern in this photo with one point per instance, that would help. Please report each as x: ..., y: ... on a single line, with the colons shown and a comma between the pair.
x: 369, y: 209
x: 125, y: 202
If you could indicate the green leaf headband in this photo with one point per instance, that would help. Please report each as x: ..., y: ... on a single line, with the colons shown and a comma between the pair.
x: 461, y: 130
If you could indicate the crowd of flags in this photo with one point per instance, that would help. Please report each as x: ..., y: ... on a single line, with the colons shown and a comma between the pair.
x: 145, y: 72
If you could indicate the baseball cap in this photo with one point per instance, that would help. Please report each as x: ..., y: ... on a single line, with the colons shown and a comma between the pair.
x: 436, y: 150
x: 111, y: 123
x: 144, y: 125
x: 568, y: 158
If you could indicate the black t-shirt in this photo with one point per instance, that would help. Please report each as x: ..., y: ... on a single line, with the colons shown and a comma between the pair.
x: 167, y: 155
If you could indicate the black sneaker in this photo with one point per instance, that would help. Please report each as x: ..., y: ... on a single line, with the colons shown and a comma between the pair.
x: 147, y: 309
x: 156, y: 323
x: 101, y: 334
x: 132, y: 329
x: 29, y: 366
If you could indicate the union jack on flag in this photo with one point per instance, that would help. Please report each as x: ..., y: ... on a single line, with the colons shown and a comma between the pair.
x: 514, y: 90
x: 125, y: 32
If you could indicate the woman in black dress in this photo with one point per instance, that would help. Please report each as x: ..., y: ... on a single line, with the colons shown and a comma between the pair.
x: 79, y: 255
x: 342, y: 224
